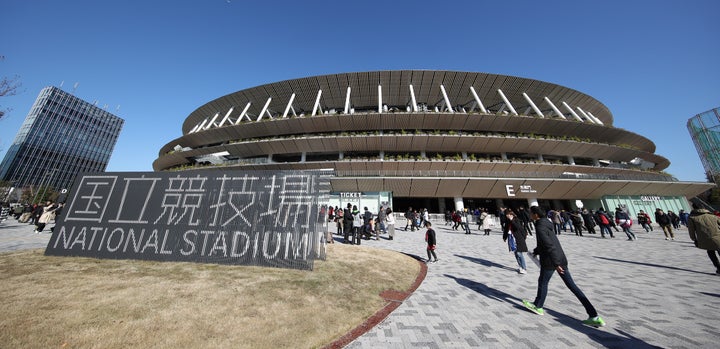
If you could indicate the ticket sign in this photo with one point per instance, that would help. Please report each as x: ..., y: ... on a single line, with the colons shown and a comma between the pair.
x: 263, y: 218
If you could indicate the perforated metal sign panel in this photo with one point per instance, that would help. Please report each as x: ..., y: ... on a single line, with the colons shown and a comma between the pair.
x: 263, y: 218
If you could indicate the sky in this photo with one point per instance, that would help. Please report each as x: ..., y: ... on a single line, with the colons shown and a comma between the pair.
x: 653, y: 63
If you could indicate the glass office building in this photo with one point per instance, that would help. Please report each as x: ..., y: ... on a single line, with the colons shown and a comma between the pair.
x: 61, y: 137
x: 705, y: 132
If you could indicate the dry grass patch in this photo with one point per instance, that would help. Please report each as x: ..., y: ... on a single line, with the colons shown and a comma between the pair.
x: 91, y: 303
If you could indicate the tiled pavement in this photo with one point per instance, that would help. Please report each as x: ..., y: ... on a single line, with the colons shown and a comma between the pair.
x: 651, y: 293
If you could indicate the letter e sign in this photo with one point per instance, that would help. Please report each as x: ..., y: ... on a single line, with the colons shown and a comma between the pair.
x: 510, y: 189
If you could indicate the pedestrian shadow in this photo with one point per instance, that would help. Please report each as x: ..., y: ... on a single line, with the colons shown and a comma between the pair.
x: 602, y: 337
x: 653, y: 265
x: 711, y: 294
x: 486, y: 262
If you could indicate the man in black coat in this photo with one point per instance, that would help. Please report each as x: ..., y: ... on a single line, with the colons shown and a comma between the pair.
x: 552, y: 259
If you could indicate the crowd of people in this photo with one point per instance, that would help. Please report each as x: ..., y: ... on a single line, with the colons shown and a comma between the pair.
x: 37, y: 215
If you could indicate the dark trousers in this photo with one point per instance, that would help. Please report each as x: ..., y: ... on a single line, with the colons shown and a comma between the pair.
x: 544, y: 280
x: 357, y: 232
x: 714, y: 258
x: 347, y: 230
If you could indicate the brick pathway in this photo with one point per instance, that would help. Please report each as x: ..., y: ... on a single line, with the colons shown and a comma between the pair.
x: 651, y: 292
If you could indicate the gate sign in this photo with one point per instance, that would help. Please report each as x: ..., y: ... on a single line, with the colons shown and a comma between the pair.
x: 264, y: 218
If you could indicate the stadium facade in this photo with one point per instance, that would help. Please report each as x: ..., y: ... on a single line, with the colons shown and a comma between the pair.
x: 61, y: 137
x: 437, y: 139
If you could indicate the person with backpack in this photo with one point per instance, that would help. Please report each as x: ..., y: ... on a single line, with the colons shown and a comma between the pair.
x: 603, y: 221
x: 704, y: 230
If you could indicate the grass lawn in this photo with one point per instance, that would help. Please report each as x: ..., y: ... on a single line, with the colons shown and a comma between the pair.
x: 72, y: 302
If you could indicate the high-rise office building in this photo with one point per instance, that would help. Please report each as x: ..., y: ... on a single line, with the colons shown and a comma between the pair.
x: 61, y: 137
x: 705, y: 132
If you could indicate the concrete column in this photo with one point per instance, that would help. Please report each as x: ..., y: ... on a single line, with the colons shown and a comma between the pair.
x: 532, y: 202
x: 571, y: 160
x: 269, y: 158
x: 464, y: 155
x: 540, y: 157
x: 382, y: 155
x: 303, y: 156
x: 422, y: 155
x: 341, y: 155
x: 596, y: 162
x: 459, y: 205
x: 503, y: 156
x: 441, y: 205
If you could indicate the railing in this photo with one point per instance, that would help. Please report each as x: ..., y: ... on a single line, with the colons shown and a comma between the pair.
x: 506, y: 174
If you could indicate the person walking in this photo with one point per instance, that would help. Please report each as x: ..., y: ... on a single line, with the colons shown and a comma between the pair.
x: 552, y: 259
x: 47, y: 216
x: 390, y: 223
x: 431, y: 243
x: 589, y: 221
x: 577, y: 221
x: 515, y: 235
x: 486, y: 221
x: 704, y: 230
x: 665, y: 223
x: 623, y: 220
x: 644, y: 220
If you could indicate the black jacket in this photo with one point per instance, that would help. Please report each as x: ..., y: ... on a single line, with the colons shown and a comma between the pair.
x: 518, y: 233
x: 548, y: 245
x: 430, y: 237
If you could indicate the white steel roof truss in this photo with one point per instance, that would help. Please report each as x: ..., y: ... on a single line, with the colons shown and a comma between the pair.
x: 477, y: 99
x: 289, y: 105
x: 507, y: 102
x: 412, y: 98
x: 447, y: 100
x: 202, y: 124
x: 572, y: 112
x: 244, y: 114
x: 380, y: 99
x: 554, y: 108
x: 347, y: 101
x: 532, y: 104
x: 317, y: 104
x: 587, y: 116
x: 264, y: 109
x: 227, y: 117
x: 212, y: 121
x: 594, y: 117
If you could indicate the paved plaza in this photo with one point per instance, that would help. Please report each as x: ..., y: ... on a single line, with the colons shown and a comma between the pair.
x: 651, y: 292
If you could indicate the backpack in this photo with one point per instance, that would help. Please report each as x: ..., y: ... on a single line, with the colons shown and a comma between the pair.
x: 604, y: 219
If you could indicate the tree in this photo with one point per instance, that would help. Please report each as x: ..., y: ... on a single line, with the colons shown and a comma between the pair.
x: 8, y: 87
x: 40, y: 194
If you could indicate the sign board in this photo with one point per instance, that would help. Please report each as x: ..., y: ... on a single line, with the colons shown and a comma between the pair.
x: 263, y: 218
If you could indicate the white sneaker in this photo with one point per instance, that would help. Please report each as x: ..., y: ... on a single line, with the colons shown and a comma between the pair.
x: 522, y: 271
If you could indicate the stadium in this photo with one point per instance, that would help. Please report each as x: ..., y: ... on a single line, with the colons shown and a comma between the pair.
x: 442, y: 140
